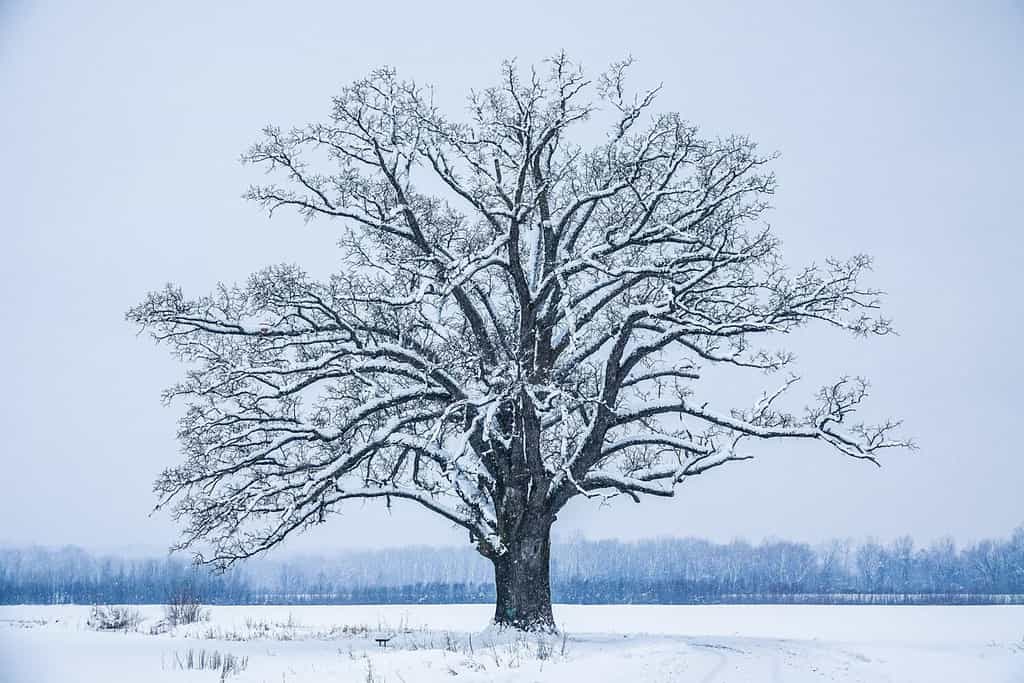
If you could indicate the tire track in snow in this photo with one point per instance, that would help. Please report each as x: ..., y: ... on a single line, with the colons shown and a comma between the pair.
x: 722, y: 653
x: 717, y: 670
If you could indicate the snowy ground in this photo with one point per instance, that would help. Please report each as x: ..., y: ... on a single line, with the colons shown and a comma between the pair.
x: 637, y: 644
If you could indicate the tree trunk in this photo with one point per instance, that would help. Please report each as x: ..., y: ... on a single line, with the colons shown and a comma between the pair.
x: 521, y: 579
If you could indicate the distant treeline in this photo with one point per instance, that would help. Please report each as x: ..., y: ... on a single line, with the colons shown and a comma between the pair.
x: 663, y: 571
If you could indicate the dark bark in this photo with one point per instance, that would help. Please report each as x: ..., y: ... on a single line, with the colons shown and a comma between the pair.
x: 521, y: 578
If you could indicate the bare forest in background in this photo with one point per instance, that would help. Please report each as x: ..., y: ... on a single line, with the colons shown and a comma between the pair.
x: 668, y: 571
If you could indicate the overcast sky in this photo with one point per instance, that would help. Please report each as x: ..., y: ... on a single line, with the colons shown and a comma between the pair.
x: 899, y: 128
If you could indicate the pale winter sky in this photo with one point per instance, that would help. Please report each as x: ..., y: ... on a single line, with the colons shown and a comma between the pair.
x: 899, y: 126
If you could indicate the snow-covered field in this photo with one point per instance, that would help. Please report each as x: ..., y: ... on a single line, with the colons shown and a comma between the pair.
x: 636, y: 644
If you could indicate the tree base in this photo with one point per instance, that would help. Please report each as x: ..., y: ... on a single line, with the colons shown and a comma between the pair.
x: 533, y: 624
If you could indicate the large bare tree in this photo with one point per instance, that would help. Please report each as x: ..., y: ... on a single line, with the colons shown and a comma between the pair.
x: 519, y: 320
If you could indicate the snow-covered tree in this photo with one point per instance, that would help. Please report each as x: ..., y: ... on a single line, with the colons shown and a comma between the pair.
x: 519, y: 320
